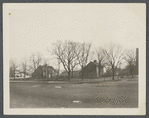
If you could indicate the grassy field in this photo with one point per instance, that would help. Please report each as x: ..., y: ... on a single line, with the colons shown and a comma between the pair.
x: 111, y: 94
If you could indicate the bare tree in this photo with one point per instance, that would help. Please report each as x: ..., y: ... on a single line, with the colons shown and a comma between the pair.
x: 114, y: 54
x: 58, y: 67
x: 100, y: 58
x: 33, y: 62
x: 74, y: 64
x: 45, y: 61
x: 64, y: 51
x: 35, y: 59
x: 82, y: 53
x: 39, y: 59
x: 130, y: 59
x: 24, y: 67
x: 13, y: 68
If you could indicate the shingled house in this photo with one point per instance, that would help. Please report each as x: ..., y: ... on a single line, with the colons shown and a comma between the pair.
x: 44, y: 71
x: 91, y: 70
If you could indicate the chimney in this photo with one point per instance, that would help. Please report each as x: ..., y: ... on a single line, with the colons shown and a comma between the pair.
x: 95, y: 61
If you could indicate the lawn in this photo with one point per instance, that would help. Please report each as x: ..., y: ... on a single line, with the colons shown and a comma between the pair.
x: 111, y: 94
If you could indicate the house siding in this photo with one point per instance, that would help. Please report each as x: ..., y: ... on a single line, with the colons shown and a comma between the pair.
x: 43, y: 72
x: 90, y: 71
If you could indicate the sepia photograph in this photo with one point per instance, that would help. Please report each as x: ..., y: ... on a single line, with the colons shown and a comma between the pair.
x: 74, y: 59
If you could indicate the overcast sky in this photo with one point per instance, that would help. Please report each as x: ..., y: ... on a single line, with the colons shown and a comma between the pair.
x: 34, y: 29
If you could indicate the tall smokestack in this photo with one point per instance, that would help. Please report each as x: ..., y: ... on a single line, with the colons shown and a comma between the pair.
x: 137, y: 59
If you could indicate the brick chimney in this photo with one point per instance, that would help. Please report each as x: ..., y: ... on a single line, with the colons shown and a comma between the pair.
x: 95, y: 61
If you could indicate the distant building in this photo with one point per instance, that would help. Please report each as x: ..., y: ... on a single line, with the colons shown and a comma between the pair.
x: 91, y: 70
x: 16, y: 74
x: 19, y: 74
x: 44, y: 71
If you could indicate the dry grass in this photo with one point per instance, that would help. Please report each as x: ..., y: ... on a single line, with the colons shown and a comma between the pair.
x: 45, y: 95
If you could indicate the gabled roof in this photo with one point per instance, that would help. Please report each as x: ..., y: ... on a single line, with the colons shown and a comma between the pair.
x: 97, y: 64
x: 43, y: 67
x: 91, y: 63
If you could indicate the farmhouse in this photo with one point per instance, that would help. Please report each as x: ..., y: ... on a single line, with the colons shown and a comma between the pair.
x: 92, y: 70
x: 17, y: 74
x: 44, y: 71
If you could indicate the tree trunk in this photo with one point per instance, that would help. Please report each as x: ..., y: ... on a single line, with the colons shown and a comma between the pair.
x: 99, y: 71
x: 69, y: 71
x: 113, y: 73
x: 132, y: 75
x: 72, y: 73
x: 24, y: 74
x: 69, y: 75
x: 131, y: 71
x: 14, y: 74
x: 82, y: 76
